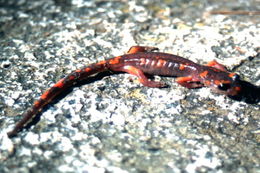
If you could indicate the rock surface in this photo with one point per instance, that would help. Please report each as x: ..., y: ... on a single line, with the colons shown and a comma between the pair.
x: 114, y: 124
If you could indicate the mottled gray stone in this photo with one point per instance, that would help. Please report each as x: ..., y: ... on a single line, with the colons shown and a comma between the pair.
x: 114, y: 124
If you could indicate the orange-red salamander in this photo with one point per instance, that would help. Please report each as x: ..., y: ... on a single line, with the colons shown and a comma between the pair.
x: 139, y: 61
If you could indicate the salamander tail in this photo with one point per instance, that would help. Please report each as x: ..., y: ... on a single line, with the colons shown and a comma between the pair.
x: 49, y: 95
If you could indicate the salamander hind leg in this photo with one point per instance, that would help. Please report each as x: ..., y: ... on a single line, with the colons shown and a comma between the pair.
x: 137, y: 49
x: 188, y: 82
x: 141, y: 77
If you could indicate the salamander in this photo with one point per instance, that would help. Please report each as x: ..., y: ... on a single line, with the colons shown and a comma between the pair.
x: 139, y: 61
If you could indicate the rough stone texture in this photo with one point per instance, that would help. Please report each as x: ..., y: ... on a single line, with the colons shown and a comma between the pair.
x: 114, y: 124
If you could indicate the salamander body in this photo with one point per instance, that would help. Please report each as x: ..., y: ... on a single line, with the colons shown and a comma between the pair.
x: 140, y: 61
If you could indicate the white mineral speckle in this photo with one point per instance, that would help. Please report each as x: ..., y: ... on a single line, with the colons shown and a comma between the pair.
x: 79, y: 136
x: 45, y: 136
x: 201, y: 160
x: 115, y: 155
x: 48, y: 154
x: 18, y: 41
x: 86, y: 151
x: 56, y: 136
x: 204, y: 92
x: 95, y: 140
x: 5, y: 143
x: 25, y: 151
x: 49, y: 116
x: 97, y: 115
x: 48, y: 55
x: 16, y: 94
x: 69, y: 159
x: 116, y: 169
x: 94, y: 169
x: 65, y: 168
x: 80, y: 3
x: 31, y: 164
x: 9, y: 101
x: 77, y: 163
x: 118, y: 119
x: 32, y: 138
x: 37, y: 151
x: 233, y: 118
x: 65, y: 144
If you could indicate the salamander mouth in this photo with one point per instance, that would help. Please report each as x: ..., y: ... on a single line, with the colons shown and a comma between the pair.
x: 227, y: 89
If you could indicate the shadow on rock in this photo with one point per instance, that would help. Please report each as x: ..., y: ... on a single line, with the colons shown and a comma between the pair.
x: 250, y: 93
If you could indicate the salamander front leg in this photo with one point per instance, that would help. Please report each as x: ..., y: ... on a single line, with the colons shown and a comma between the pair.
x: 141, y: 77
x: 217, y: 65
x: 188, y: 82
x: 137, y: 49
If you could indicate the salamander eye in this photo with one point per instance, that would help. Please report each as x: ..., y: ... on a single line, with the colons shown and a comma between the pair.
x: 223, y: 87
x: 236, y: 77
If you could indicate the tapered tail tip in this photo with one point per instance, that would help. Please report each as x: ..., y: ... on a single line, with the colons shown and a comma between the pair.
x: 12, y: 134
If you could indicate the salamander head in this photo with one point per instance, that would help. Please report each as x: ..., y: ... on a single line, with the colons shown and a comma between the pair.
x: 228, y: 84
x: 221, y: 82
